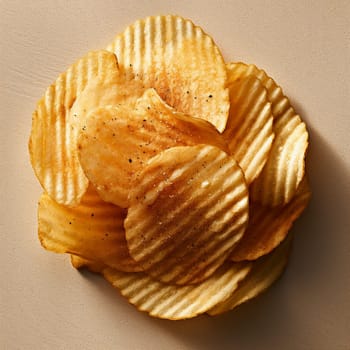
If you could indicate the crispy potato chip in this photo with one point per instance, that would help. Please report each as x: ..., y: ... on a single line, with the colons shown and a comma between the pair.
x: 177, y: 302
x: 263, y: 273
x: 249, y: 128
x: 180, y: 61
x: 187, y: 212
x: 81, y: 263
x: 52, y: 143
x: 114, y: 90
x: 121, y: 139
x: 285, y: 167
x: 93, y: 230
x: 268, y: 227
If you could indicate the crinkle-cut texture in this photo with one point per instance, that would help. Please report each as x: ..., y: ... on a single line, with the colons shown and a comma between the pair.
x: 172, y: 55
x: 285, y: 167
x: 120, y: 140
x: 248, y: 131
x: 264, y: 272
x: 52, y: 143
x: 177, y: 302
x: 80, y: 263
x: 188, y: 209
x: 92, y: 230
x: 268, y: 227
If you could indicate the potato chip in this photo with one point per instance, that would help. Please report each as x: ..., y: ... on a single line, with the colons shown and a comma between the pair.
x: 264, y: 272
x: 187, y: 212
x: 177, y: 302
x: 180, y: 61
x: 121, y: 139
x: 93, y: 230
x: 249, y: 128
x: 113, y: 90
x: 52, y: 143
x: 268, y: 227
x: 285, y: 166
x: 81, y: 263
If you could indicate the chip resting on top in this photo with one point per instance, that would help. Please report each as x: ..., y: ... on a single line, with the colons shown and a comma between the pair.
x: 188, y: 209
x: 179, y: 60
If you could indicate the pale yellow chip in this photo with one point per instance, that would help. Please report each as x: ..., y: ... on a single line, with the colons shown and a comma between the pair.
x: 172, y: 55
x: 121, y: 139
x: 114, y: 89
x: 177, y: 302
x: 93, y: 230
x: 81, y: 263
x: 188, y: 209
x: 285, y: 167
x: 248, y: 131
x: 264, y: 272
x: 52, y: 143
x: 268, y: 227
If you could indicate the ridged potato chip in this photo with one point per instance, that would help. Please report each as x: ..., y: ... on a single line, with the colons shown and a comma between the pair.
x: 52, y: 143
x: 121, y: 139
x: 285, y: 167
x: 93, y: 230
x: 172, y: 55
x: 269, y: 226
x: 188, y: 209
x: 177, y: 302
x: 81, y: 263
x: 248, y: 131
x: 264, y: 272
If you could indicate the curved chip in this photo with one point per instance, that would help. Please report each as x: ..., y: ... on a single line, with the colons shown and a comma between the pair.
x: 121, y: 139
x: 248, y: 131
x: 177, y: 302
x: 93, y: 230
x: 268, y: 227
x: 172, y: 55
x: 113, y: 90
x: 52, y: 143
x: 285, y: 167
x: 187, y: 212
x: 81, y: 263
x: 264, y: 272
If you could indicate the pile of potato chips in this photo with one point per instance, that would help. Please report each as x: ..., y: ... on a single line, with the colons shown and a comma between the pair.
x: 175, y: 175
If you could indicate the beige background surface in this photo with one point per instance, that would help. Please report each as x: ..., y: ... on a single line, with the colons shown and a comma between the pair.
x: 304, y: 45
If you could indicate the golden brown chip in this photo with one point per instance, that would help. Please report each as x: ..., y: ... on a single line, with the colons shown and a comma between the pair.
x: 180, y: 61
x: 81, y: 263
x: 188, y: 209
x: 285, y: 166
x: 52, y: 143
x: 249, y: 128
x: 263, y: 273
x: 268, y: 227
x: 121, y: 139
x: 177, y: 302
x: 93, y: 230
